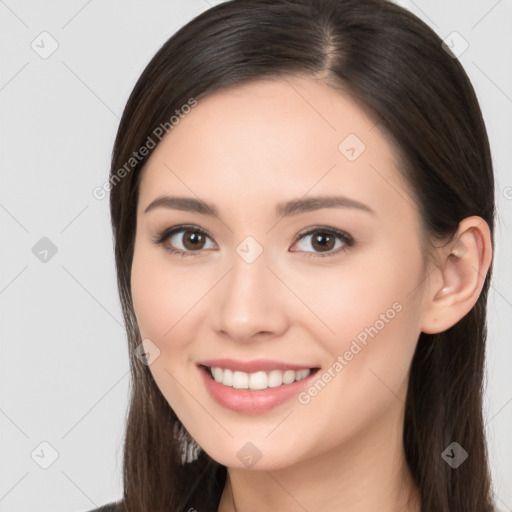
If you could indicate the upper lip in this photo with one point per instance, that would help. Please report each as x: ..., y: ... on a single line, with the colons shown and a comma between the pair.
x: 256, y: 365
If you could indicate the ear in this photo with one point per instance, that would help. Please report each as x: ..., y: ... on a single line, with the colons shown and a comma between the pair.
x: 454, y: 287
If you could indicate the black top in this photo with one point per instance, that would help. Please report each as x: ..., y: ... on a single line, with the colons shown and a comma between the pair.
x: 207, y: 479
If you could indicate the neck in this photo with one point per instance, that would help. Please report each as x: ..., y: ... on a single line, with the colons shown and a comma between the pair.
x: 367, y: 472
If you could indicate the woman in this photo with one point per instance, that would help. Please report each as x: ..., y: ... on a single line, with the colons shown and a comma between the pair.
x: 303, y: 211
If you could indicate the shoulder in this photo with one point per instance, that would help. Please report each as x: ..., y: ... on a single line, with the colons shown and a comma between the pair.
x: 109, y: 507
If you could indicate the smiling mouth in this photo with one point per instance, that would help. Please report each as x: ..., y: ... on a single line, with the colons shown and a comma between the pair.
x: 258, y: 380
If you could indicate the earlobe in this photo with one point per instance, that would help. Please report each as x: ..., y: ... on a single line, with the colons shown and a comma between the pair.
x: 463, y: 266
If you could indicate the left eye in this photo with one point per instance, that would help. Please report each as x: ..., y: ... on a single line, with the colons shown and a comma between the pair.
x: 326, y: 241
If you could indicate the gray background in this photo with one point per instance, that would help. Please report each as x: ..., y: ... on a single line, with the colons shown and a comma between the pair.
x: 64, y: 365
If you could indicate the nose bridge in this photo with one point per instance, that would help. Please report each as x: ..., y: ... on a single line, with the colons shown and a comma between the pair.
x: 248, y: 278
x: 248, y: 302
x: 248, y: 288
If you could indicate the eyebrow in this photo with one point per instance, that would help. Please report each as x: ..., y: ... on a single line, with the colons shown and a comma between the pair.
x: 286, y: 209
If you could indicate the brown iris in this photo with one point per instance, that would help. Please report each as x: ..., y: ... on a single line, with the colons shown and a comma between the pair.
x: 192, y: 240
x: 323, y: 241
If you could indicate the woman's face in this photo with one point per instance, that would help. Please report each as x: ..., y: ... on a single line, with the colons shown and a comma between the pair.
x: 276, y: 275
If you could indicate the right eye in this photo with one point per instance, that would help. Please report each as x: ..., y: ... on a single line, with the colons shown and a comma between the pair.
x: 184, y: 240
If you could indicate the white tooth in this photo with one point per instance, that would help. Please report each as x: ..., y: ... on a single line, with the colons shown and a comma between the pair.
x: 258, y: 380
x: 275, y: 378
x: 288, y: 376
x: 305, y: 373
x: 217, y: 374
x: 240, y: 380
x: 227, y: 377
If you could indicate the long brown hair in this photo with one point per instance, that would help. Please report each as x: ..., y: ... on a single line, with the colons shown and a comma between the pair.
x: 395, y: 67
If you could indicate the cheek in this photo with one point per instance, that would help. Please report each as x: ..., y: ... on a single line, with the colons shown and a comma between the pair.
x: 365, y: 290
x: 370, y: 310
x: 366, y: 371
x: 161, y: 294
x: 147, y: 298
x: 160, y: 306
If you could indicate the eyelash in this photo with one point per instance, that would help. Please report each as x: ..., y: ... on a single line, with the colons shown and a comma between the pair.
x: 347, y: 240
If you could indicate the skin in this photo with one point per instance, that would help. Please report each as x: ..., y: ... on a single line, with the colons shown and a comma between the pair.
x: 245, y: 149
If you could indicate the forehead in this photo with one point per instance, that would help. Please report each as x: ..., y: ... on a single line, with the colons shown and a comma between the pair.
x: 275, y: 139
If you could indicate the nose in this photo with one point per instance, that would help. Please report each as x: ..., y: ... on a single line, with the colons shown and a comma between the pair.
x: 250, y: 303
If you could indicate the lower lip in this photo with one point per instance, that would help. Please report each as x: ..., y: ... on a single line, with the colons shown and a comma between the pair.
x: 252, y: 402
